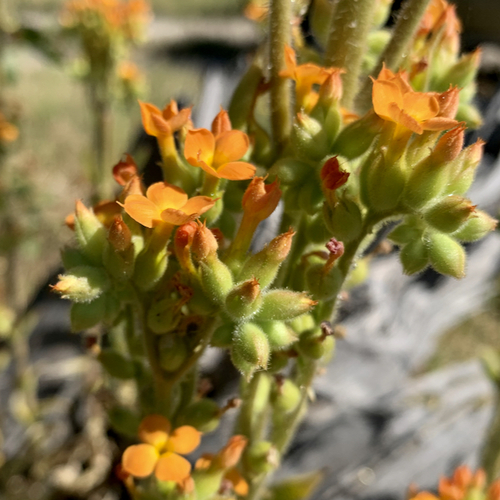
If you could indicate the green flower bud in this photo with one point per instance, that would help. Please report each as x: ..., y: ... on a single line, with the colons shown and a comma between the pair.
x: 162, y: 317
x: 309, y: 140
x: 463, y: 169
x: 173, y: 352
x: 124, y: 421
x: 284, y: 305
x: 150, y: 268
x: 324, y: 285
x: 478, y: 226
x: 116, y: 365
x: 406, y: 232
x: 223, y: 336
x: 344, y: 221
x: 311, y: 197
x: 315, y: 345
x: 250, y: 344
x: 461, y: 73
x: 355, y: 139
x: 90, y: 233
x: 86, y: 315
x: 207, y: 483
x: 244, y: 300
x: 297, y: 487
x: 261, y: 458
x: 468, y: 113
x: 278, y: 334
x: 316, y: 230
x: 291, y: 172
x: 119, y: 264
x: 216, y: 280
x: 303, y: 323
x: 414, y: 256
x: 450, y: 213
x: 279, y: 361
x: 264, y: 265
x: 286, y: 396
x: 446, y: 255
x: 84, y: 284
x: 203, y: 415
x: 241, y: 364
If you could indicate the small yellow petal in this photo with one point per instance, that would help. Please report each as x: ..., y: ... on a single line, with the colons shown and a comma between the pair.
x: 140, y: 460
x: 199, y: 147
x: 184, y: 439
x: 172, y: 467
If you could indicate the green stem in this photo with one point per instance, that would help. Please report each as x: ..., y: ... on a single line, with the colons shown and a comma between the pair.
x: 279, y: 37
x: 210, y: 186
x: 247, y: 415
x: 397, y: 49
x: 490, y: 459
x: 346, y: 46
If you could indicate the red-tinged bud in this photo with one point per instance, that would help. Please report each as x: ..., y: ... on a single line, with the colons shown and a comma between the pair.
x: 449, y: 145
x: 264, y: 265
x: 284, y: 305
x: 133, y: 186
x: 221, y: 123
x: 90, y: 233
x: 125, y: 169
x: 244, y: 299
x: 448, y: 102
x: 182, y: 244
x: 332, y: 176
x: 204, y: 244
x: 119, y: 235
x: 494, y: 490
x: 464, y: 168
x: 344, y: 220
x: 260, y: 199
x: 230, y: 455
x: 450, y: 213
x: 330, y: 91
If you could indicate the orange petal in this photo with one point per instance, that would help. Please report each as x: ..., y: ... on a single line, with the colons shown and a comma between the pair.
x: 170, y: 110
x: 208, y: 170
x: 142, y: 210
x: 154, y: 430
x: 184, y: 439
x: 230, y: 146
x: 310, y: 74
x: 204, y: 462
x: 400, y: 80
x: 240, y: 486
x: 420, y: 106
x: 198, y: 205
x: 147, y: 110
x: 165, y: 195
x: 178, y: 121
x: 439, y: 123
x: 236, y: 171
x: 177, y: 217
x: 400, y: 116
x: 199, y: 147
x: 140, y: 460
x: 290, y: 63
x: 385, y: 93
x: 172, y: 467
x: 221, y: 123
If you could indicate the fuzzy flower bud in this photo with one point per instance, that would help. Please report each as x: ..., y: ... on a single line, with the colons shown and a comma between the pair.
x: 230, y: 455
x: 250, y: 350
x: 476, y: 227
x: 204, y: 244
x: 90, y: 233
x: 449, y: 145
x: 446, y: 255
x: 284, y: 305
x: 221, y: 123
x: 464, y: 71
x: 125, y: 170
x: 309, y: 139
x: 119, y: 235
x: 84, y: 284
x: 244, y: 299
x: 260, y: 199
x: 450, y: 213
x: 448, y: 102
x: 183, y: 241
x: 464, y: 168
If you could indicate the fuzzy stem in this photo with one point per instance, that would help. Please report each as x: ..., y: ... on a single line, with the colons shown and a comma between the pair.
x: 397, y: 49
x: 280, y: 36
x: 346, y: 47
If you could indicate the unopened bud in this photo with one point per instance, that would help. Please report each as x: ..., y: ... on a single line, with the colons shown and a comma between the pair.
x: 446, y: 255
x: 279, y: 361
x: 470, y: 114
x: 125, y: 170
x: 409, y: 230
x: 278, y: 334
x: 284, y: 305
x: 315, y: 344
x: 292, y: 172
x: 173, y: 352
x: 216, y: 280
x: 310, y: 197
x: 448, y: 102
x: 150, y: 267
x: 182, y: 244
x: 464, y: 168
x: 251, y: 344
x: 84, y: 284
x: 90, y: 233
x: 119, y: 235
x: 309, y: 139
x: 204, y: 244
x: 464, y: 71
x: 265, y: 264
x: 414, y: 256
x: 286, y: 395
x: 221, y: 123
x: 162, y: 316
x: 478, y: 226
x: 262, y: 457
x: 223, y: 335
x: 230, y: 455
x: 344, y: 220
x: 260, y: 199
x: 303, y: 323
x: 324, y: 285
x: 450, y: 213
x: 244, y: 299
x: 203, y: 415
x: 449, y: 145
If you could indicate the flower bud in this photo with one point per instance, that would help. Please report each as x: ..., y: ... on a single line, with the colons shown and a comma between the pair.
x: 414, y: 256
x: 291, y: 172
x: 262, y: 458
x: 265, y: 264
x: 470, y: 114
x: 244, y: 299
x: 173, y: 352
x: 223, y: 336
x: 260, y: 199
x: 118, y: 256
x: 203, y: 415
x: 286, y: 395
x: 125, y: 170
x: 250, y: 345
x: 327, y: 109
x: 464, y: 71
x: 446, y: 255
x: 116, y: 365
x: 406, y: 232
x: 314, y: 344
x: 463, y: 169
x: 278, y: 334
x: 355, y: 139
x: 450, y: 213
x: 230, y: 455
x: 344, y: 220
x: 316, y: 230
x: 216, y: 280
x: 449, y: 145
x: 204, y: 243
x: 90, y: 233
x: 84, y: 284
x: 478, y: 226
x: 279, y: 361
x: 119, y: 235
x: 309, y: 140
x: 303, y: 323
x: 221, y: 123
x: 332, y: 177
x: 448, y: 102
x: 324, y: 285
x: 284, y: 305
x: 162, y: 316
x: 183, y: 241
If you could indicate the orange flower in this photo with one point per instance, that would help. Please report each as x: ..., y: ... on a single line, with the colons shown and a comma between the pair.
x: 163, y: 123
x: 216, y: 151
x: 105, y: 211
x: 394, y: 100
x: 8, y: 132
x: 166, y: 203
x: 305, y: 76
x: 161, y: 450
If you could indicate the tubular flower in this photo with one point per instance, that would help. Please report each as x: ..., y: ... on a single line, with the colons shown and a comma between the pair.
x: 163, y: 123
x: 394, y: 100
x: 217, y: 151
x: 160, y: 451
x: 305, y: 76
x: 165, y: 203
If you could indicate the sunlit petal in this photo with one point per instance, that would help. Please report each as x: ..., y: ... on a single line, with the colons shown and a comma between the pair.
x: 420, y: 106
x: 172, y: 467
x: 141, y: 210
x: 199, y: 147
x: 154, y: 430
x: 177, y: 217
x: 198, y: 204
x: 236, y: 171
x: 165, y: 195
x: 184, y: 439
x: 385, y: 93
x: 229, y: 147
x: 147, y: 110
x: 140, y: 460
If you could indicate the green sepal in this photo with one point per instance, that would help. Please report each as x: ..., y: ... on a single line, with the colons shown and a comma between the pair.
x: 446, y: 255
x: 116, y: 364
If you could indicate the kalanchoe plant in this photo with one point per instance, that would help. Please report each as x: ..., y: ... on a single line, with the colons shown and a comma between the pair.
x: 170, y: 269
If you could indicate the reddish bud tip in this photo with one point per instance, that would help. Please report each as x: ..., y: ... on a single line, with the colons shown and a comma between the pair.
x: 332, y: 176
x: 204, y: 242
x: 119, y: 235
x: 221, y: 123
x: 449, y: 145
x: 261, y: 199
x: 125, y: 169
